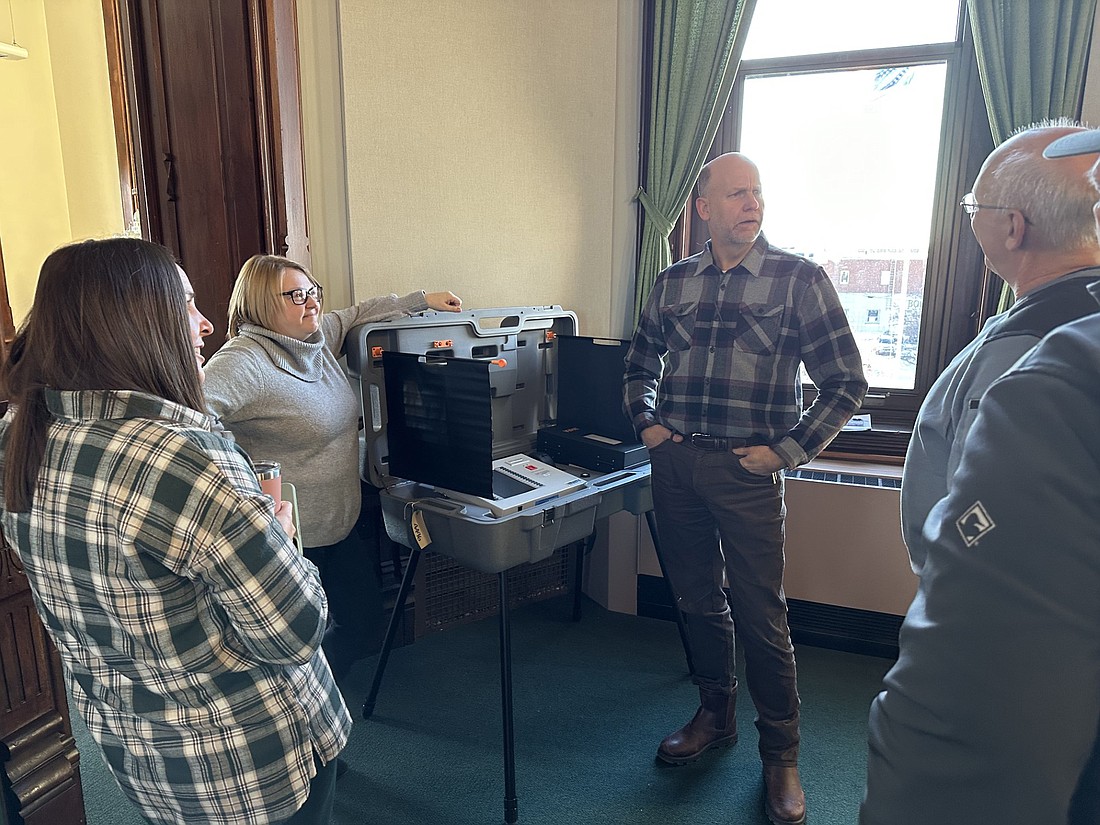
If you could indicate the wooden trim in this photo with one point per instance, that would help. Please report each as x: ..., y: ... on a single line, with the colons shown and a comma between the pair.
x: 648, y: 30
x: 274, y: 30
x: 266, y: 117
x: 143, y: 101
x: 861, y: 458
x: 7, y: 323
x: 120, y: 109
x: 680, y: 240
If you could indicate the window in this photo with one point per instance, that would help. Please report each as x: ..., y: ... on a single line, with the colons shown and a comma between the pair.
x: 868, y: 125
x: 838, y: 26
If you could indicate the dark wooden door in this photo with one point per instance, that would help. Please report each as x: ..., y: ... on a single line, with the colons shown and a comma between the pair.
x: 213, y: 116
x: 41, y: 770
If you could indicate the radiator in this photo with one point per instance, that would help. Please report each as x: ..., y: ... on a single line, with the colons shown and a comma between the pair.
x: 844, y: 545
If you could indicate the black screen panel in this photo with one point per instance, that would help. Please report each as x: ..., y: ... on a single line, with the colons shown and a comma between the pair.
x: 439, y: 421
x: 590, y: 386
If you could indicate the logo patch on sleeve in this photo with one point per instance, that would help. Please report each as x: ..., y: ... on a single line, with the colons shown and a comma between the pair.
x: 974, y: 523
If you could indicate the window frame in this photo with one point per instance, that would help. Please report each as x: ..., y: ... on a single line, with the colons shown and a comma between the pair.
x: 959, y: 292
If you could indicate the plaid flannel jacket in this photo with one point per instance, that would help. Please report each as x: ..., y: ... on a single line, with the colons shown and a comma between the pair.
x: 188, y: 626
x: 718, y: 353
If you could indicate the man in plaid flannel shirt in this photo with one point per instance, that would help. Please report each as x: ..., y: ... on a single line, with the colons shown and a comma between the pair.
x: 712, y: 387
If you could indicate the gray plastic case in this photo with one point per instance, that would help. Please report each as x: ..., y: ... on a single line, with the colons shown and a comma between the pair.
x: 519, y: 344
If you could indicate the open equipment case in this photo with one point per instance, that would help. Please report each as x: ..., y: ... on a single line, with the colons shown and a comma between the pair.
x: 519, y: 345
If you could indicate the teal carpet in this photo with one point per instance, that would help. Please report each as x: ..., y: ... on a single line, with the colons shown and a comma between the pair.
x: 592, y: 700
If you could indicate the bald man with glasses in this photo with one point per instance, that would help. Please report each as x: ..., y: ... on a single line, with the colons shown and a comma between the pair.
x: 1033, y: 219
x: 992, y: 711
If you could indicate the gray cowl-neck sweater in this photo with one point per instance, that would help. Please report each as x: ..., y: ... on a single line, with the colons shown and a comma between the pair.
x: 289, y: 401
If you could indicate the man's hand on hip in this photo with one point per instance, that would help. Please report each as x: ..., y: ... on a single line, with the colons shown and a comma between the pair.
x: 656, y: 434
x: 760, y: 459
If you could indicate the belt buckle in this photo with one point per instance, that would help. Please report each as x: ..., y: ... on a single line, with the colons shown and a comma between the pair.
x: 706, y: 442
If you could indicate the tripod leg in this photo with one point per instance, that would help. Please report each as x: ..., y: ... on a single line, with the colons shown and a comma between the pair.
x: 511, y: 805
x: 651, y: 520
x: 583, y: 548
x: 391, y: 631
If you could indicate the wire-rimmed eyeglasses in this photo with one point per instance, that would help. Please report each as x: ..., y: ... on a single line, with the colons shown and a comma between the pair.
x: 970, y: 205
x: 299, y: 296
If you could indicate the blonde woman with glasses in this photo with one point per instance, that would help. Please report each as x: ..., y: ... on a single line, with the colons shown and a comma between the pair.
x: 277, y: 386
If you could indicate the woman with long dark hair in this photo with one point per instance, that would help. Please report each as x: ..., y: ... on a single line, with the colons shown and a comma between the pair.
x: 188, y: 626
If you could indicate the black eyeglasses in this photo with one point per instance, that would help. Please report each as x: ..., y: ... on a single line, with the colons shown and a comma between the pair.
x: 970, y: 205
x: 299, y: 296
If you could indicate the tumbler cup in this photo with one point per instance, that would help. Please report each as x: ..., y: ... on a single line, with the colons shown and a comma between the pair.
x: 270, y: 476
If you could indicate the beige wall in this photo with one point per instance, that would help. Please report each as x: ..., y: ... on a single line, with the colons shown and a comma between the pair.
x: 489, y: 148
x: 58, y: 173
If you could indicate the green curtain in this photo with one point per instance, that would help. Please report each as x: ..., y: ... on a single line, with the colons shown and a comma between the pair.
x: 1031, y: 60
x: 697, y: 47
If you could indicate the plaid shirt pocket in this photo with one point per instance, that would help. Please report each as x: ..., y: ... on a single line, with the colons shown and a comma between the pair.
x: 678, y: 325
x: 759, y: 329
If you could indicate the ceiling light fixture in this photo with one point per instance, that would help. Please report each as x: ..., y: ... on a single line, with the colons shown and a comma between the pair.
x: 12, y: 50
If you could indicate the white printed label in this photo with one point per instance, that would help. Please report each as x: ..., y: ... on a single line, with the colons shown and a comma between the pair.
x: 420, y: 530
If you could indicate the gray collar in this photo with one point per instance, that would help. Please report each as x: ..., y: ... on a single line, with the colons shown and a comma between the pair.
x: 302, y: 359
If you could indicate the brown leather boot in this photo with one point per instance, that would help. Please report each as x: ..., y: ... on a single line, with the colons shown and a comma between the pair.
x: 784, y: 802
x: 713, y: 725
